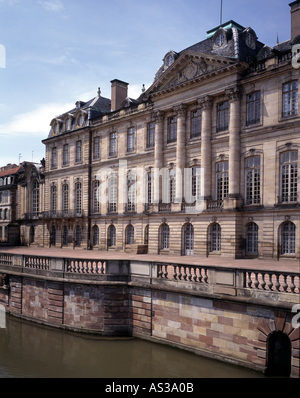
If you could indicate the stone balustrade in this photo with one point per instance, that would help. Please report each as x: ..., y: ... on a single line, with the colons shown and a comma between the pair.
x: 270, y: 286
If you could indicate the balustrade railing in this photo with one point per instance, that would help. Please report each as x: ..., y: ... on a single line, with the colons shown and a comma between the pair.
x: 37, y: 262
x: 5, y: 259
x: 180, y: 272
x: 285, y: 282
x: 91, y: 267
x: 251, y: 279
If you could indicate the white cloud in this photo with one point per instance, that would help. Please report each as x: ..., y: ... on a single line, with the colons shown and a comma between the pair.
x: 52, y: 5
x: 35, y: 122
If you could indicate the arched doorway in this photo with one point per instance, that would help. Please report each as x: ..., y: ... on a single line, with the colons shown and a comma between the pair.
x: 31, y: 234
x: 278, y: 355
x: 53, y: 236
x: 188, y: 240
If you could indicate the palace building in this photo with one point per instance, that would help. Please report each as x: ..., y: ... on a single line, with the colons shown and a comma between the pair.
x: 204, y: 163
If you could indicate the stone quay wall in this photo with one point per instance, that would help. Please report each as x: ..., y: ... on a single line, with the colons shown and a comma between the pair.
x: 222, y: 313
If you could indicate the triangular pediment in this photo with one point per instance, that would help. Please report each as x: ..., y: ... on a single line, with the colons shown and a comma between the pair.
x: 190, y: 66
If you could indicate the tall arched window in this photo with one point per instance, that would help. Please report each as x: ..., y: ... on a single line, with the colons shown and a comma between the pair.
x: 78, y: 195
x: 215, y: 237
x: 188, y: 240
x: 111, y: 236
x: 252, y: 238
x: 78, y: 236
x: 65, y: 235
x: 130, y: 235
x: 35, y: 198
x: 146, y: 235
x: 96, y: 196
x: 53, y: 199
x: 95, y: 235
x: 53, y: 236
x: 112, y: 194
x: 288, y: 238
x: 131, y: 193
x: 65, y: 199
x: 164, y: 236
x: 289, y: 176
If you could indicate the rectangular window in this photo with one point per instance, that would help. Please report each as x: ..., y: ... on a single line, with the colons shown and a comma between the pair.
x: 150, y: 135
x: 65, y: 155
x: 112, y: 194
x: 131, y: 187
x: 223, y: 116
x: 65, y: 198
x: 252, y: 179
x: 253, y: 108
x: 290, y: 99
x: 196, y: 183
x: 96, y: 149
x: 196, y: 123
x: 113, y: 144
x: 289, y: 176
x: 172, y: 129
x: 96, y: 197
x: 222, y: 180
x: 78, y: 155
x: 53, y: 159
x: 131, y: 139
x: 78, y: 197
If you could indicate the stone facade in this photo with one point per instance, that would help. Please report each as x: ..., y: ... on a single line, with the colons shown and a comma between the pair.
x: 204, y: 163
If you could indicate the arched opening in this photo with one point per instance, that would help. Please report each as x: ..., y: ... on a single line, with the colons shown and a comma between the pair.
x: 111, y: 236
x: 31, y: 234
x: 188, y: 240
x: 53, y: 236
x: 252, y: 239
x: 278, y: 355
x: 95, y: 235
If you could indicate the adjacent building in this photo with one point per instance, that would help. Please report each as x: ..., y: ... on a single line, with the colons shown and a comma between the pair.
x: 204, y: 163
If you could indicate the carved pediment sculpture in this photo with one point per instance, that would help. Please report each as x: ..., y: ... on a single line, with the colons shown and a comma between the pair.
x: 188, y: 67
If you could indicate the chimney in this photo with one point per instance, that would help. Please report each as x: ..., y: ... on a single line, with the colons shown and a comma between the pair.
x: 119, y: 92
x: 295, y: 19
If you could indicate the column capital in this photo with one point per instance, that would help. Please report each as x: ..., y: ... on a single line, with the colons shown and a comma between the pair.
x: 158, y: 116
x: 234, y: 93
x: 205, y: 102
x: 180, y: 110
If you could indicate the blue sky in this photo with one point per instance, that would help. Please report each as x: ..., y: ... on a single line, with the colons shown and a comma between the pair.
x: 61, y: 51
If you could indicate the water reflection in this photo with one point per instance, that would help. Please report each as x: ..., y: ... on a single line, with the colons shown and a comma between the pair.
x: 31, y: 351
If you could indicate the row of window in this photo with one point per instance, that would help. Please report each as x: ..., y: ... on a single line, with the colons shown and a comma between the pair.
x: 253, y: 116
x: 287, y: 232
x: 5, y: 181
x: 288, y: 186
x: 4, y: 214
x: 4, y: 197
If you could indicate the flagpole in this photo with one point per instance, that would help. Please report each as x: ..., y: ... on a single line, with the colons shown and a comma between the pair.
x: 221, y: 12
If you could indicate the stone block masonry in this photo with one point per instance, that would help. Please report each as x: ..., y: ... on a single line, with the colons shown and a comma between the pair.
x: 172, y: 304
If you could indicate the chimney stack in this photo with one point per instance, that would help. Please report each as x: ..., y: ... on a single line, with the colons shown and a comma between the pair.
x: 119, y: 92
x: 295, y: 19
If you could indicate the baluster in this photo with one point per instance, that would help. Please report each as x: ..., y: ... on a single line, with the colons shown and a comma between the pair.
x: 175, y: 272
x: 256, y: 282
x: 195, y: 275
x: 263, y: 283
x: 83, y: 266
x: 102, y: 268
x: 277, y: 284
x: 200, y: 275
x: 68, y: 265
x: 205, y: 276
x: 270, y: 283
x: 180, y: 273
x: 166, y: 271
x: 159, y: 269
x: 78, y: 266
x: 285, y: 285
x: 249, y: 280
x: 293, y: 286
x: 190, y: 274
x: 184, y: 275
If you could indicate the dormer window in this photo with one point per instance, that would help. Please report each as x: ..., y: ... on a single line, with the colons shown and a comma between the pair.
x: 220, y: 39
x: 250, y: 40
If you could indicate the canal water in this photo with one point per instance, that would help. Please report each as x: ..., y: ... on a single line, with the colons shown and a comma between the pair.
x: 32, y: 351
